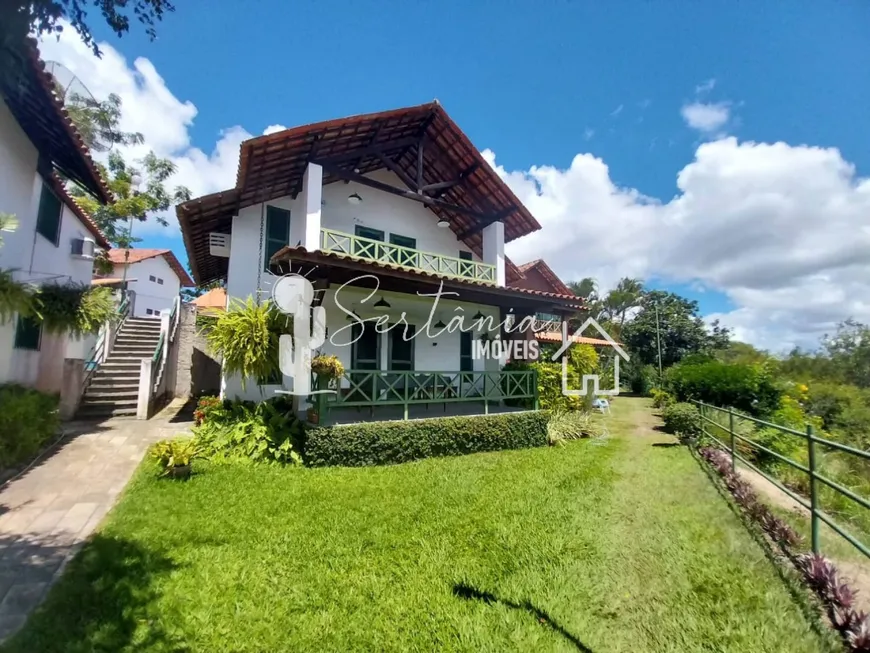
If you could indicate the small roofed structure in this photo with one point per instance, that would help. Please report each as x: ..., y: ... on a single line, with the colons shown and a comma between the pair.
x: 214, y: 299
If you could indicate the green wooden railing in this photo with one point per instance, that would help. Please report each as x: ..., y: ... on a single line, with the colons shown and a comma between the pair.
x: 811, y: 504
x: 369, y: 249
x: 374, y: 388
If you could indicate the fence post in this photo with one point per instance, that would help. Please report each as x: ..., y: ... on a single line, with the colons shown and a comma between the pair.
x: 731, y: 431
x: 814, y: 501
x: 535, y: 384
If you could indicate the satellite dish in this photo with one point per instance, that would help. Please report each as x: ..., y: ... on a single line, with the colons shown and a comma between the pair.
x: 83, y: 108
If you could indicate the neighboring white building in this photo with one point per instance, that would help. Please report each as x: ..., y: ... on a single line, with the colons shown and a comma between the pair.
x: 55, y: 240
x: 154, y: 275
x: 403, y: 196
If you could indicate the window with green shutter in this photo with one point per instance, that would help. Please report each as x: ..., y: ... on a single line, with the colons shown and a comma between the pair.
x: 466, y: 363
x: 48, y: 219
x: 277, y: 234
x: 28, y: 333
x: 403, y: 257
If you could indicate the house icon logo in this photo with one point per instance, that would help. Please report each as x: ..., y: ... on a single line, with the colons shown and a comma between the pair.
x: 567, y: 342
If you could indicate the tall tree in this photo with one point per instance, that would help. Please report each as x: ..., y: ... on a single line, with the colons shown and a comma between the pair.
x: 21, y: 17
x: 98, y: 122
x: 617, y: 304
x: 681, y: 330
x: 849, y: 351
x: 150, y: 199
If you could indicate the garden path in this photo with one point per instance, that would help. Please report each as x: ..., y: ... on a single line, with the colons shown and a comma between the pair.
x: 49, y: 510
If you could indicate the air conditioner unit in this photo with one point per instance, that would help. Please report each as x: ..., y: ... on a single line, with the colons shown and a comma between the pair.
x: 83, y: 248
x: 219, y: 244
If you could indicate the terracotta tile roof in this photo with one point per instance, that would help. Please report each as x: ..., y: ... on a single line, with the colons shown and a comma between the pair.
x: 118, y: 257
x: 546, y: 271
x: 567, y: 302
x: 84, y: 218
x: 216, y: 298
x: 28, y: 91
x: 555, y: 336
x: 273, y: 166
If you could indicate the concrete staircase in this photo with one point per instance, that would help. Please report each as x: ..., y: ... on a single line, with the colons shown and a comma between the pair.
x: 114, y: 388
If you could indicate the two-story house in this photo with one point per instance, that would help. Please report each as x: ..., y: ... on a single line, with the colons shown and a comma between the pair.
x: 154, y: 276
x: 379, y: 211
x: 54, y: 240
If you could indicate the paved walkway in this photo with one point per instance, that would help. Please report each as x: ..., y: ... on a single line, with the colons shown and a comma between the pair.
x: 48, y: 512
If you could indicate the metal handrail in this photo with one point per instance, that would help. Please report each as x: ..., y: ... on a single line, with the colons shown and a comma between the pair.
x: 96, y: 356
x: 339, y: 242
x: 817, y: 515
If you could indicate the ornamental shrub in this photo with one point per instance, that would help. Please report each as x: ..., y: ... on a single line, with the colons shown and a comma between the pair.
x: 28, y: 420
x: 267, y: 432
x: 582, y: 359
x: 682, y: 420
x: 746, y: 387
x: 661, y: 398
x: 383, y: 443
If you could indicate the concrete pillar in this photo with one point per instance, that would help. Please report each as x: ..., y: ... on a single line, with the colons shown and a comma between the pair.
x: 144, y: 399
x: 306, y: 220
x: 71, y: 387
x: 50, y: 367
x: 493, y: 250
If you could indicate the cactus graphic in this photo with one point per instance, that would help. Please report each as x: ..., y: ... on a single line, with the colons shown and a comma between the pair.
x: 293, y: 295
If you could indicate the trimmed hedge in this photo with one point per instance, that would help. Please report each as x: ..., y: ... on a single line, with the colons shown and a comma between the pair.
x: 383, y: 443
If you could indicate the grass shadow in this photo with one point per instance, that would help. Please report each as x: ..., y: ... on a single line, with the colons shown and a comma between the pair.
x: 110, y: 586
x: 471, y: 593
x: 801, y: 596
x: 667, y: 445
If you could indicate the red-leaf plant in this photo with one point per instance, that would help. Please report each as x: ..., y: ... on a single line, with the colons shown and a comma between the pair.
x: 819, y: 573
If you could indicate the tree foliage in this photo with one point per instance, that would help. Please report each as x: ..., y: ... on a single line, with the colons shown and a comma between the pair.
x: 682, y: 331
x: 21, y: 17
x: 97, y: 121
x: 151, y: 200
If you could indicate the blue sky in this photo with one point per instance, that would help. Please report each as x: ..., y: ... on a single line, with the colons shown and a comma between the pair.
x: 536, y: 83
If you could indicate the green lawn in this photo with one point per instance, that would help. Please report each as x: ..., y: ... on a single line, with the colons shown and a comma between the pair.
x: 620, y: 546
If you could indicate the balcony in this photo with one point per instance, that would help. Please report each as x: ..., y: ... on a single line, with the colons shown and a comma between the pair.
x: 440, y: 265
x: 483, y: 392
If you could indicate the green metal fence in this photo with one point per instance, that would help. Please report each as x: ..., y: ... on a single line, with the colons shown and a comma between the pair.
x: 817, y: 515
x: 404, y: 388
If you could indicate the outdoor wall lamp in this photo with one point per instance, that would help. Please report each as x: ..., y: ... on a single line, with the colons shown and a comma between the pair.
x: 354, y: 198
x: 443, y: 223
x: 382, y: 303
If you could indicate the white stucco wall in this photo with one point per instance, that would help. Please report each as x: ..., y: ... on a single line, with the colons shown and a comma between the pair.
x: 150, y: 294
x: 34, y: 257
x: 378, y: 210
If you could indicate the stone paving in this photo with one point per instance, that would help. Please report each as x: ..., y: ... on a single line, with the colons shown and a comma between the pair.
x: 48, y: 512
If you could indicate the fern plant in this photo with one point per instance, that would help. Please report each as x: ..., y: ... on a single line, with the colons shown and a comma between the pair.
x: 15, y: 297
x: 246, y: 337
x: 77, y: 309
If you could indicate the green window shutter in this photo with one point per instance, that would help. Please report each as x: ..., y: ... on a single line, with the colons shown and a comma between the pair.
x: 364, y: 249
x: 48, y: 218
x: 28, y: 334
x: 466, y: 364
x: 277, y: 234
x: 466, y: 256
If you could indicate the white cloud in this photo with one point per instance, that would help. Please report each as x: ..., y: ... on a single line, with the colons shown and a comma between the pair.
x: 271, y: 129
x: 617, y: 110
x: 149, y: 107
x: 706, y: 117
x: 705, y: 87
x: 782, y: 230
x: 588, y: 133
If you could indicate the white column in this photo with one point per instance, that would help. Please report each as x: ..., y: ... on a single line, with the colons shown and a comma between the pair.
x: 143, y: 402
x: 493, y: 249
x: 308, y: 215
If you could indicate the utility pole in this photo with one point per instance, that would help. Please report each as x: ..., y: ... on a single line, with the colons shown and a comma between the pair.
x: 659, y: 344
